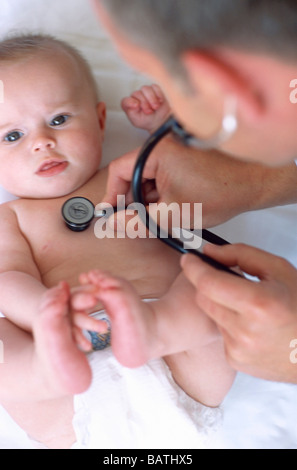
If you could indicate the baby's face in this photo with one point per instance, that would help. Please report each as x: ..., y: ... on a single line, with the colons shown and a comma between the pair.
x: 51, y: 128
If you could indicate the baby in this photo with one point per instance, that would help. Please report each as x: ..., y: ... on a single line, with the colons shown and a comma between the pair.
x: 51, y: 279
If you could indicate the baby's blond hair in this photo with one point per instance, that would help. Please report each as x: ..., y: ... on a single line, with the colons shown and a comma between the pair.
x: 15, y: 48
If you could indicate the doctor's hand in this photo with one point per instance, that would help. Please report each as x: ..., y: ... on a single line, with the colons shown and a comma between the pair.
x: 258, y: 320
x: 175, y: 173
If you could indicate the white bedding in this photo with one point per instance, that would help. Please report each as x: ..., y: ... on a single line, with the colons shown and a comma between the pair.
x: 258, y: 414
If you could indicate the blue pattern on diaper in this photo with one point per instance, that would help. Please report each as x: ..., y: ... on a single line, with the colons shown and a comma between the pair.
x: 101, y: 341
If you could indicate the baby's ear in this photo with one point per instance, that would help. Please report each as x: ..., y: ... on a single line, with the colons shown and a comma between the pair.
x: 101, y: 113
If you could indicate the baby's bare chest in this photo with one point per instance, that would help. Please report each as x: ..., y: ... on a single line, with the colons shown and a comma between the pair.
x: 62, y: 254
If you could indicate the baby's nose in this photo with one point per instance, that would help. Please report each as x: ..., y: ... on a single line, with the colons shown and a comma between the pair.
x: 43, y: 142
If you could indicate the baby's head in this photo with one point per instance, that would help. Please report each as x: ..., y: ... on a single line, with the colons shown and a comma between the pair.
x: 51, y: 123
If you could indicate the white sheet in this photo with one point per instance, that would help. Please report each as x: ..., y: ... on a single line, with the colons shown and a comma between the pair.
x: 258, y: 414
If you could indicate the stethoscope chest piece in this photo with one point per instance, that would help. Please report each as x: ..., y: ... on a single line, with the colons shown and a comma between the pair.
x: 78, y: 213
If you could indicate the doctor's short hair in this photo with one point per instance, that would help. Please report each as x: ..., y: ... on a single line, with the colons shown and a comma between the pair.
x: 170, y: 27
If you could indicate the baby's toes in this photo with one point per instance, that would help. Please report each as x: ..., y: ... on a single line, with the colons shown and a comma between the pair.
x: 99, y: 278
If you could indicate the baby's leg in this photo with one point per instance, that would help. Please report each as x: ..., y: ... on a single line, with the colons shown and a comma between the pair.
x: 172, y: 327
x: 133, y: 337
x: 199, y: 366
x: 47, y: 368
x: 49, y: 364
x: 65, y: 367
x: 141, y: 331
x: 203, y: 373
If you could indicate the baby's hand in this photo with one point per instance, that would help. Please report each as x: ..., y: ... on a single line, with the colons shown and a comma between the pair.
x: 147, y: 108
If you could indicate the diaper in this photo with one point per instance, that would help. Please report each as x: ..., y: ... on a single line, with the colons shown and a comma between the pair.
x: 124, y: 408
x: 139, y: 408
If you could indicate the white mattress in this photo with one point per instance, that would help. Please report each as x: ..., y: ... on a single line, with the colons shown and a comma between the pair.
x: 258, y: 414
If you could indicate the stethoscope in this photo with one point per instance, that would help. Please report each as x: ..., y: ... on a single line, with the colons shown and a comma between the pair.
x: 78, y: 212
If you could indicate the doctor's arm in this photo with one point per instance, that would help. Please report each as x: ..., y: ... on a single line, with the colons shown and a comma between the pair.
x: 184, y: 175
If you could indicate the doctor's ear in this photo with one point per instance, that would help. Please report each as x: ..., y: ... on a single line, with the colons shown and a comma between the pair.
x: 101, y: 113
x: 215, y: 77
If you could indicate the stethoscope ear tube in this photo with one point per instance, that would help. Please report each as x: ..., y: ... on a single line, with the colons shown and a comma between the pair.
x: 151, y: 225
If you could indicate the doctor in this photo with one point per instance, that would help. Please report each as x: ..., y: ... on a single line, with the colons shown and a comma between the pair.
x: 208, y: 56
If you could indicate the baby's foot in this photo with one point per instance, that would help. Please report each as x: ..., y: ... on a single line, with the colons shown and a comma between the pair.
x: 65, y: 367
x: 147, y: 108
x: 132, y: 339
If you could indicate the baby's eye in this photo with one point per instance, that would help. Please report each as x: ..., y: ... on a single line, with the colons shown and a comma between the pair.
x: 59, y: 120
x: 13, y: 136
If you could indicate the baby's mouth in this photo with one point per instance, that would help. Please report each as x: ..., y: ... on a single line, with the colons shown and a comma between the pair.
x: 51, y: 168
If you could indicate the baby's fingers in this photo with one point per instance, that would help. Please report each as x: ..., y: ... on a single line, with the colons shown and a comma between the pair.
x: 159, y: 93
x: 130, y: 103
x: 153, y: 95
x: 146, y: 105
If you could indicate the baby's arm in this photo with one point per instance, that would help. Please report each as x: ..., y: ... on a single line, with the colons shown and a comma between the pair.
x: 21, y: 378
x: 20, y: 281
x: 22, y: 374
x: 147, y: 108
x: 22, y: 290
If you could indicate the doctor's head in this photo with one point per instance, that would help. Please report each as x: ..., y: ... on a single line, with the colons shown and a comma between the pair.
x: 205, y: 54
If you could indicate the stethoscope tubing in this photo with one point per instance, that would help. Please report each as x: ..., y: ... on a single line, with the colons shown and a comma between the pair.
x: 151, y: 225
